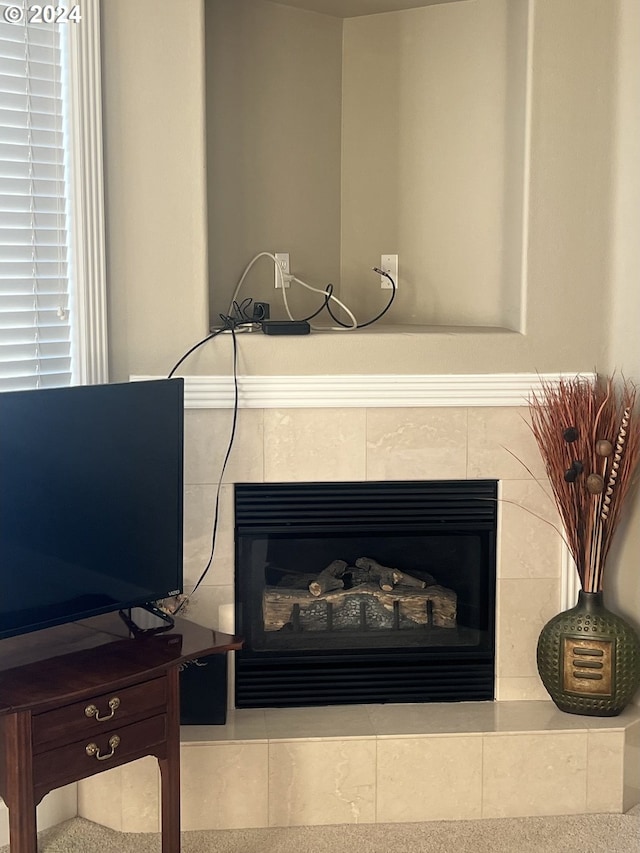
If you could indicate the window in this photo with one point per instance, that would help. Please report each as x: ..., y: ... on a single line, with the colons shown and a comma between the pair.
x: 52, y: 299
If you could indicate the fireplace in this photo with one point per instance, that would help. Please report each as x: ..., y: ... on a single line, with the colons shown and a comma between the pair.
x: 365, y: 592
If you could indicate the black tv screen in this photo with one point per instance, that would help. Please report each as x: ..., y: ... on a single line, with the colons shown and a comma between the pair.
x: 91, y: 500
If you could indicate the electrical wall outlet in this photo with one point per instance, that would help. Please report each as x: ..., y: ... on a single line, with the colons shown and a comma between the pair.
x: 389, y: 263
x: 282, y: 259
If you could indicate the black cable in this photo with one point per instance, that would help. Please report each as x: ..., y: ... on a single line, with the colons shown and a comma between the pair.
x: 328, y: 291
x: 222, y: 471
x: 209, y: 337
x: 378, y: 316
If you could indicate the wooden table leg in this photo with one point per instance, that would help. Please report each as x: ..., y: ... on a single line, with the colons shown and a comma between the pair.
x: 170, y: 769
x: 19, y: 782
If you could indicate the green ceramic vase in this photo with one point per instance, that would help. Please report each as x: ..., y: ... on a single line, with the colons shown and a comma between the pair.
x: 589, y: 659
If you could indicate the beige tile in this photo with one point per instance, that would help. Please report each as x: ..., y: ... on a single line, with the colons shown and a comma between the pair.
x: 347, y: 721
x: 204, y: 604
x: 605, y: 780
x: 632, y: 761
x: 529, y: 775
x: 529, y: 545
x: 314, y: 444
x: 421, y: 779
x: 536, y: 717
x: 207, y: 434
x: 247, y: 724
x: 224, y: 785
x: 432, y: 718
x: 199, y: 514
x: 322, y: 782
x: 416, y: 444
x: 125, y: 798
x: 100, y: 798
x: 524, y: 607
x: 141, y: 796
x: 501, y: 445
x: 59, y: 805
x: 520, y: 689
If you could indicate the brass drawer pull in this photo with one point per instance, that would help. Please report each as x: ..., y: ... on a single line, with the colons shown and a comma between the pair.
x: 92, y: 711
x: 93, y: 749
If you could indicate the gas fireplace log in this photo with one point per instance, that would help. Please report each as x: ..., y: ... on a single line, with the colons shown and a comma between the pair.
x: 405, y: 607
x: 387, y: 577
x: 329, y: 578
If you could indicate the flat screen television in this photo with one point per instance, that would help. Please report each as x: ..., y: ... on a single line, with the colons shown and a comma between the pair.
x: 91, y: 501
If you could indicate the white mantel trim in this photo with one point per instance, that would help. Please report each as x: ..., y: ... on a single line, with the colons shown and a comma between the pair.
x: 363, y: 391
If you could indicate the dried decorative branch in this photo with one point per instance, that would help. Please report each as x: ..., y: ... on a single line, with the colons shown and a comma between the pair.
x: 588, y: 434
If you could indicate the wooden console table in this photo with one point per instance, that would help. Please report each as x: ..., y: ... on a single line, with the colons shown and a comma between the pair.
x: 81, y: 698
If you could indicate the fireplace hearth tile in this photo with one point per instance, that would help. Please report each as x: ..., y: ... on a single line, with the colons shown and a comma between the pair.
x: 340, y: 721
x: 534, y: 774
x: 224, y: 785
x: 124, y: 798
x: 605, y: 763
x: 324, y: 782
x: 391, y: 721
x: 421, y: 779
x: 515, y: 689
x: 242, y: 726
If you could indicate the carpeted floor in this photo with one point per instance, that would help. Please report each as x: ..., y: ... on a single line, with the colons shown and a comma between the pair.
x: 604, y: 833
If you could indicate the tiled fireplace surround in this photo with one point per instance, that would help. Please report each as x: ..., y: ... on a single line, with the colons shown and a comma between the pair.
x: 517, y: 756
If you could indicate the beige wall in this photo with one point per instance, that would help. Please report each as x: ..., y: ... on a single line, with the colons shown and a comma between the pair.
x: 624, y: 353
x: 425, y: 154
x: 157, y: 247
x: 153, y: 57
x: 273, y: 129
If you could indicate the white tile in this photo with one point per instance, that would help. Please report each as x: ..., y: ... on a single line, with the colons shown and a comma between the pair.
x: 322, y: 782
x: 429, y: 778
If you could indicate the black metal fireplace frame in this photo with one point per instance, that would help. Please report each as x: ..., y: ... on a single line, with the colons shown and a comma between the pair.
x: 290, y: 678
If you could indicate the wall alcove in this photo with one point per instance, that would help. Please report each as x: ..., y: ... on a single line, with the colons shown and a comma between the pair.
x: 339, y: 131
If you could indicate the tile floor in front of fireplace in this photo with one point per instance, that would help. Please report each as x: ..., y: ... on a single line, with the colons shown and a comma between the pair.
x: 383, y: 763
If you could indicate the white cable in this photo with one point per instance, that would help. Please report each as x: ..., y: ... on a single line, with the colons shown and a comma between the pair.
x: 284, y: 294
x: 337, y: 301
x: 246, y: 272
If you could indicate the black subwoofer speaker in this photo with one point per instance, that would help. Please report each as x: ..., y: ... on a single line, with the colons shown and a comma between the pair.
x: 203, y: 691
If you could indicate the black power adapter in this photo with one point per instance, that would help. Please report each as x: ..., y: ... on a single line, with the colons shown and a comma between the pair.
x: 286, y: 327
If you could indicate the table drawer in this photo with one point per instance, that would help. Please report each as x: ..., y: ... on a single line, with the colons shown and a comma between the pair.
x: 97, y: 714
x: 94, y: 754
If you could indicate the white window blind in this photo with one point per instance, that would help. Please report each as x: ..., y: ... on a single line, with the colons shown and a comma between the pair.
x: 51, y: 311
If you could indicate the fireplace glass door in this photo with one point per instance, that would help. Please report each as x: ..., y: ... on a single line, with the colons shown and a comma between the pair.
x: 365, y: 592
